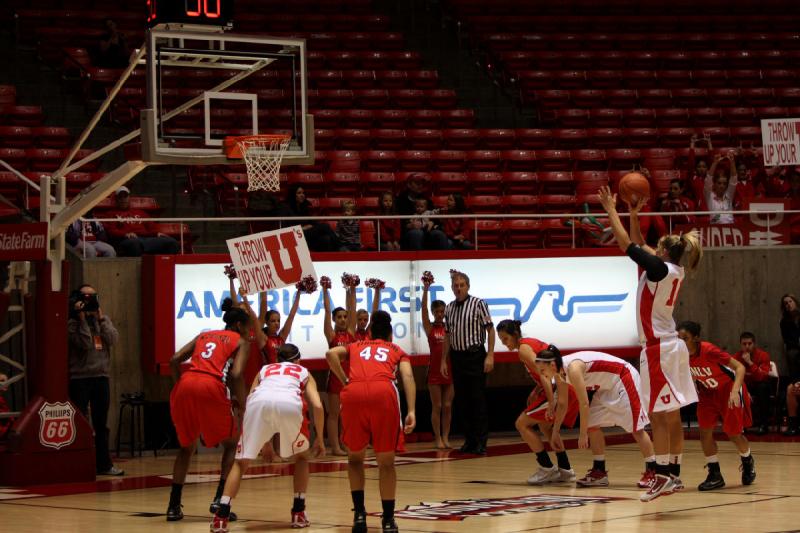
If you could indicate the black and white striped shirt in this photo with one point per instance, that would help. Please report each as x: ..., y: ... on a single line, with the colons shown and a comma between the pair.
x: 466, y: 322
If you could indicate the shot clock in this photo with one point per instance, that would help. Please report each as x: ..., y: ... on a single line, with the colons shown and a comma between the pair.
x: 199, y: 12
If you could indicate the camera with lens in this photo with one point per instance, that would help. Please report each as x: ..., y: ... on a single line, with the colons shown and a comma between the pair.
x: 90, y: 303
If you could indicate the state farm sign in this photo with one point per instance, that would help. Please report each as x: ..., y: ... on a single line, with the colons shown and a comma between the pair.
x: 23, y: 242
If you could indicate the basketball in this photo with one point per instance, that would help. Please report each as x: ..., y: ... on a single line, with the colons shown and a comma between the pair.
x: 633, y: 186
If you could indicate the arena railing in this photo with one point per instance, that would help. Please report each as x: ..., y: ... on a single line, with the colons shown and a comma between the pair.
x: 574, y: 219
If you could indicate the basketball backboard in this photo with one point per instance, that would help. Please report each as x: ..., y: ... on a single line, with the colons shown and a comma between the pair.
x: 233, y: 84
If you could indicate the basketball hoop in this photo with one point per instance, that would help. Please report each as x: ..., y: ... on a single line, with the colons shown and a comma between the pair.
x: 262, y: 156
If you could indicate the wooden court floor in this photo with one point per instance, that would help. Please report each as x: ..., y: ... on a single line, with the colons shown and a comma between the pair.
x: 444, y: 491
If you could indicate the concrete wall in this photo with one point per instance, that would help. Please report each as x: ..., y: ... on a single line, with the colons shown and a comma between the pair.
x: 741, y: 290
x: 733, y: 291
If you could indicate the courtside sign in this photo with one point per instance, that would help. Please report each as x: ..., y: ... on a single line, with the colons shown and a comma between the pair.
x: 781, y: 141
x: 271, y: 259
x: 23, y: 242
x: 573, y: 302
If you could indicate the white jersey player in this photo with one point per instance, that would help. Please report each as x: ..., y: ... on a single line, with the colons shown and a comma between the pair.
x: 615, y: 402
x: 276, y: 406
x: 666, y: 379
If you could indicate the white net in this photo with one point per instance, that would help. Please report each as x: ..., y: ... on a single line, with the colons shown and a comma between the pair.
x: 262, y: 156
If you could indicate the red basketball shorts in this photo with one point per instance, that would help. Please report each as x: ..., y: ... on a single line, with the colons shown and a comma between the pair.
x: 713, y: 406
x: 537, y: 410
x: 199, y: 406
x: 371, y: 413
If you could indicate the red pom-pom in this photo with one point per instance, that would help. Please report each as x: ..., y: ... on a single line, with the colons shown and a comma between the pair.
x: 350, y: 281
x: 230, y: 271
x: 325, y: 282
x: 375, y: 283
x: 308, y: 285
x: 427, y: 278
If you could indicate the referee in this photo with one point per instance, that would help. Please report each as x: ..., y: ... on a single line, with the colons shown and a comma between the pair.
x: 467, y: 321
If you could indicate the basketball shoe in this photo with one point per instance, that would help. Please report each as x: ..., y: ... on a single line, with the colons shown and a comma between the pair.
x: 661, y: 486
x: 389, y: 526
x: 647, y: 479
x: 566, y: 476
x: 713, y: 480
x: 214, y: 507
x: 219, y: 525
x: 748, y: 468
x: 677, y: 484
x: 174, y: 512
x: 300, y: 520
x: 593, y: 478
x: 545, y: 475
x: 359, y: 522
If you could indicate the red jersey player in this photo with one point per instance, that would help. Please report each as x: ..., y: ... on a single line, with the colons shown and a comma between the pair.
x: 200, y: 405
x: 664, y: 361
x: 720, y: 384
x: 440, y: 386
x: 371, y: 412
x: 545, y: 409
x: 339, y: 333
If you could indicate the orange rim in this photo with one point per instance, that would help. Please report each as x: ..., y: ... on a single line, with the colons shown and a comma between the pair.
x: 231, y: 144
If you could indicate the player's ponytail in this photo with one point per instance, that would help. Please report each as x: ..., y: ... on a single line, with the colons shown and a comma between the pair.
x: 551, y: 355
x: 288, y: 352
x: 510, y: 327
x: 684, y: 248
x: 381, y: 325
x: 692, y: 249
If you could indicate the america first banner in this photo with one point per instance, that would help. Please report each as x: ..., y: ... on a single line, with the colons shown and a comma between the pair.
x: 271, y: 259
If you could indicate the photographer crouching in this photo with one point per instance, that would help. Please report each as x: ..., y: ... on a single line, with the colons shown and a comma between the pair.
x: 91, y: 336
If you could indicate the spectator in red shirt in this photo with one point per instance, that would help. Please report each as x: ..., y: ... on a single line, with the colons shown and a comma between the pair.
x: 133, y: 235
x: 698, y: 169
x: 676, y: 202
x: 459, y: 231
x: 391, y: 232
x: 748, y: 188
x: 757, y: 366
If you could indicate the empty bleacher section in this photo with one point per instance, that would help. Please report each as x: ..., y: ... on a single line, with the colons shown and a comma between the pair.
x: 622, y: 84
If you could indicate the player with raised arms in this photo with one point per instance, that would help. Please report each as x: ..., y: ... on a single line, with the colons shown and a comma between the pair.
x: 440, y: 387
x: 615, y: 402
x: 200, y: 404
x: 276, y: 406
x: 339, y: 326
x: 371, y: 413
x: 269, y: 321
x: 547, y: 408
x: 664, y: 362
x: 722, y: 396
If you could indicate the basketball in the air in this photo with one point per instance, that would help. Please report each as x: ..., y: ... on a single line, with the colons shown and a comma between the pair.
x: 633, y: 186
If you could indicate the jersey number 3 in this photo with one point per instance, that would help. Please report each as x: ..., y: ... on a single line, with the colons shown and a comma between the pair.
x: 381, y: 354
x: 210, y: 347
